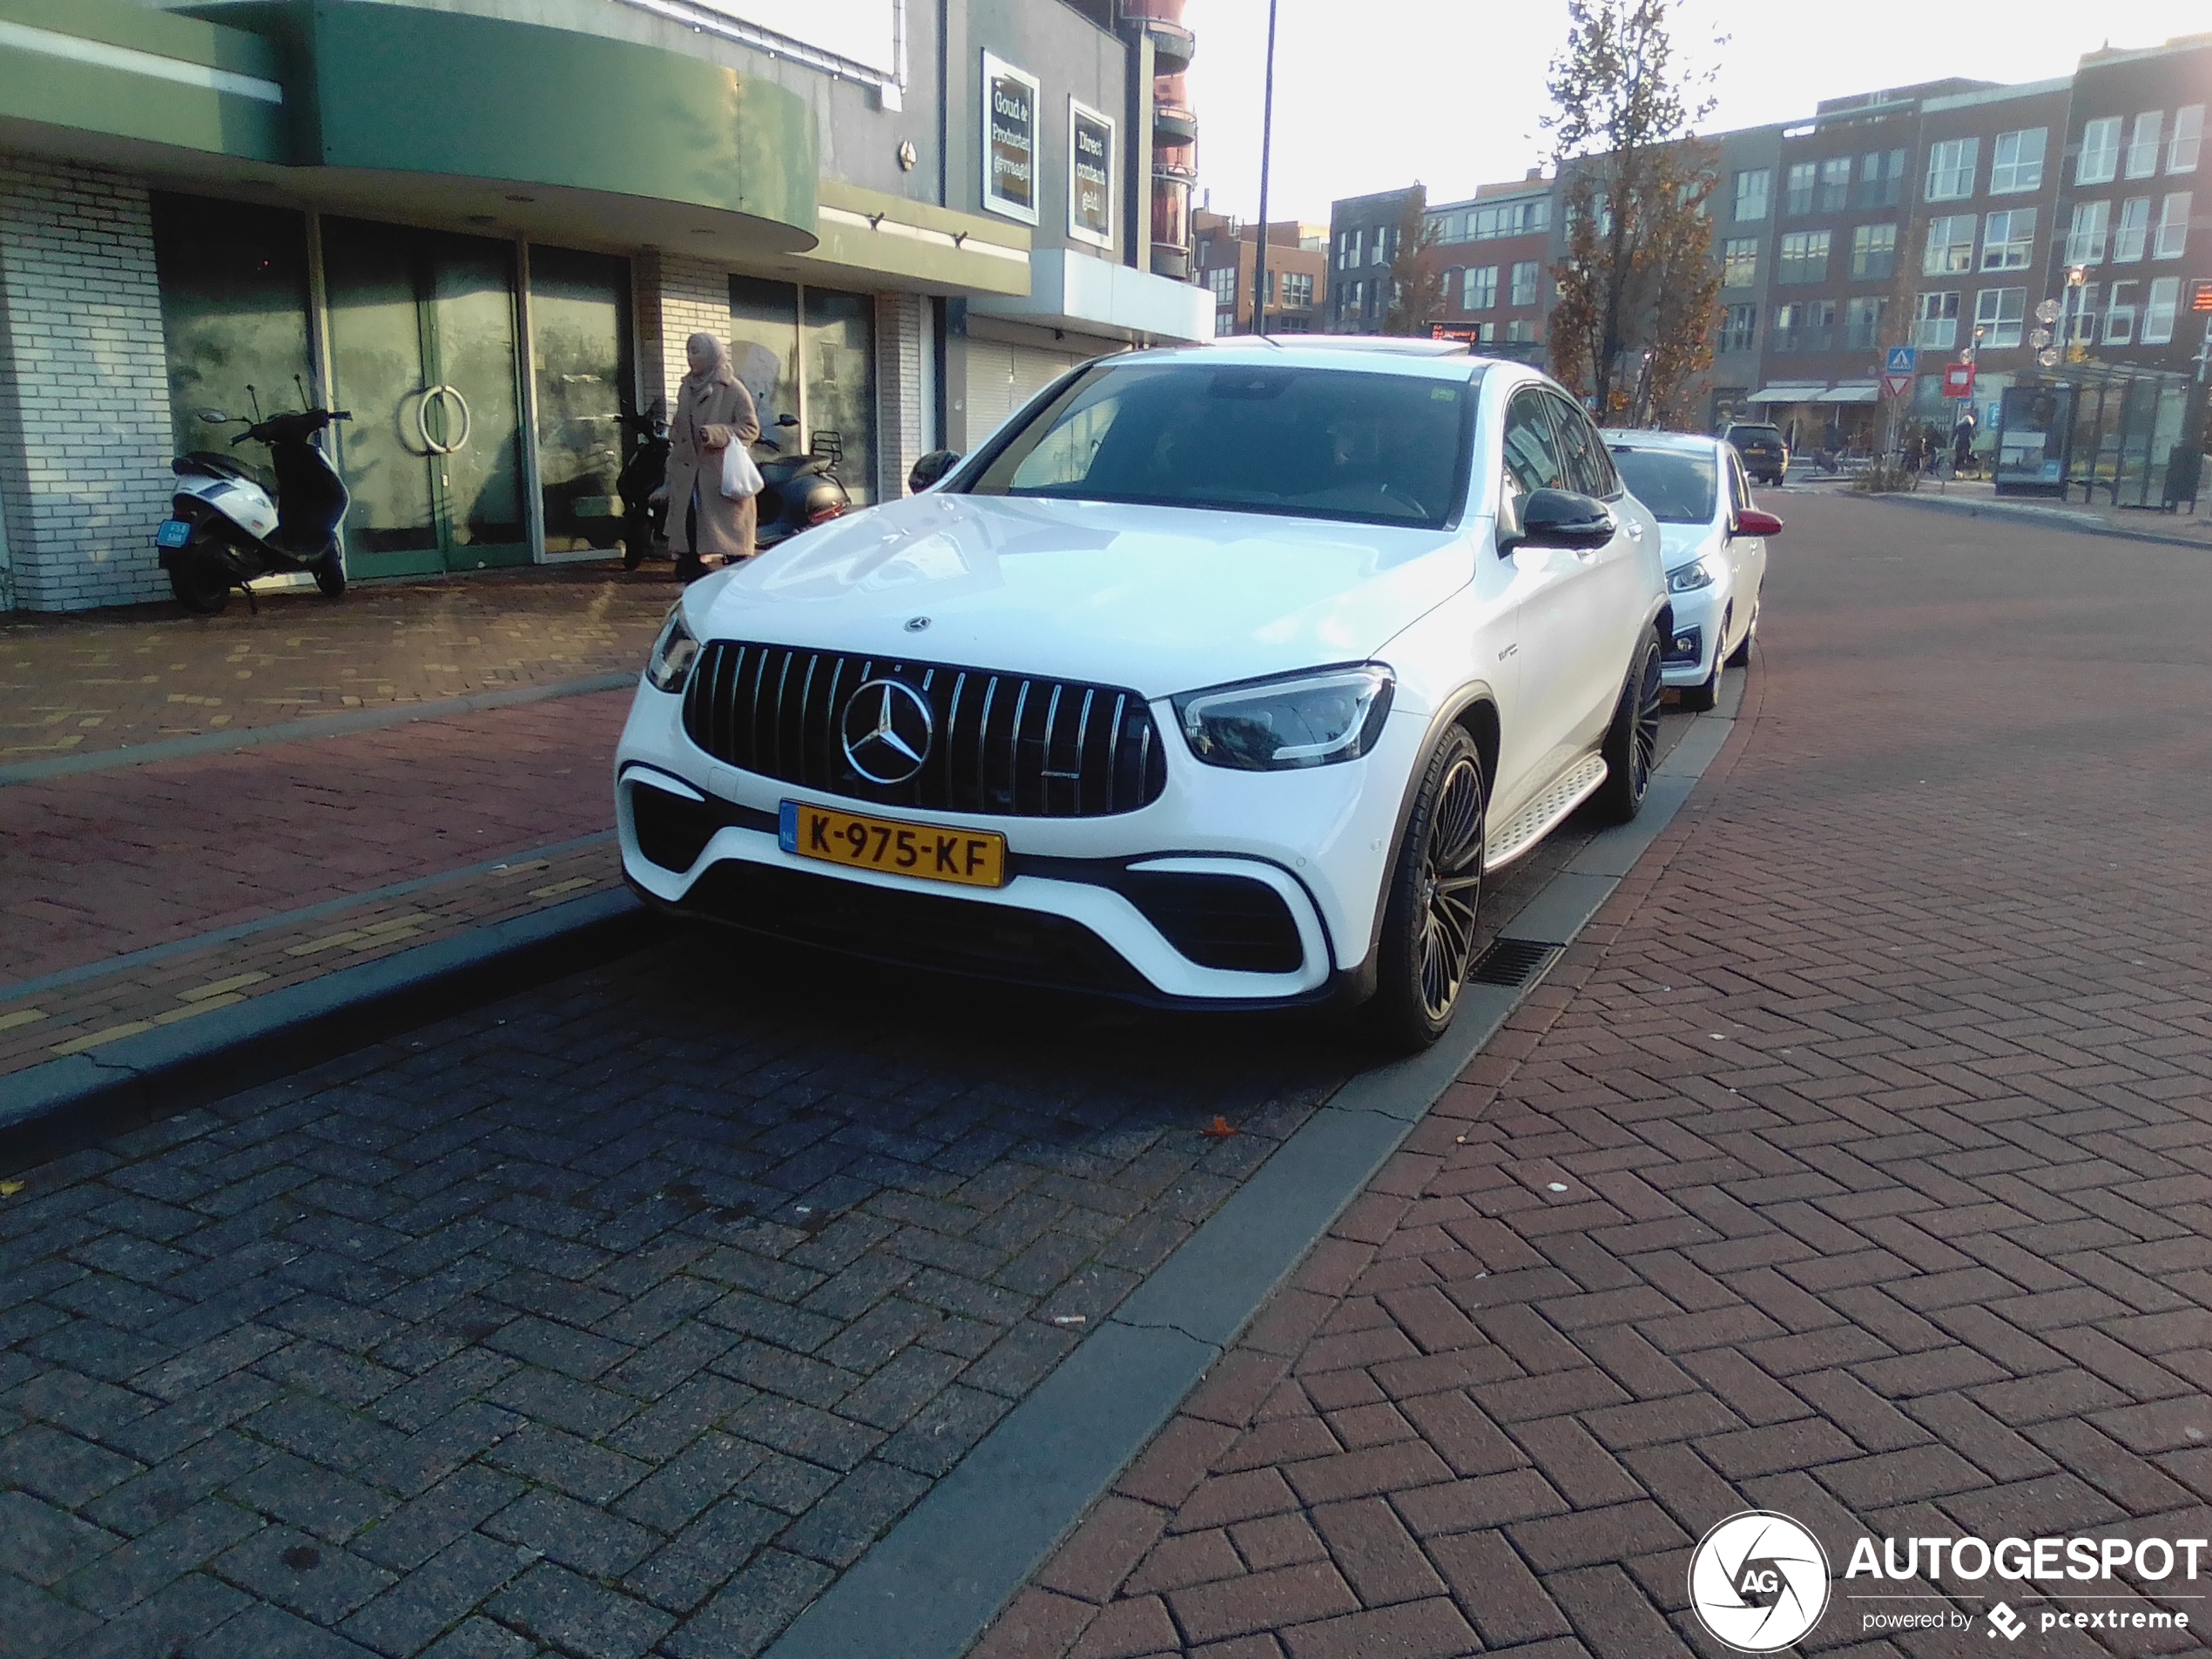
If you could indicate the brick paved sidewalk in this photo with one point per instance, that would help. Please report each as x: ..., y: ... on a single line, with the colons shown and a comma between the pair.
x: 1856, y: 1163
x: 107, y: 679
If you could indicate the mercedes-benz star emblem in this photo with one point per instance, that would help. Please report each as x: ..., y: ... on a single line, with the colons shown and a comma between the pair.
x: 888, y: 728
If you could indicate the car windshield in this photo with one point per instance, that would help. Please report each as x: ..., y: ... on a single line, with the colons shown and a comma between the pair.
x: 1753, y: 434
x: 1679, y: 487
x: 1375, y: 448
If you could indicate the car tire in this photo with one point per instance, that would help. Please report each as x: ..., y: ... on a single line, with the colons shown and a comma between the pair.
x: 1741, y: 657
x: 1701, y: 697
x: 201, y: 585
x: 1631, y: 746
x: 330, y: 575
x: 1433, y: 901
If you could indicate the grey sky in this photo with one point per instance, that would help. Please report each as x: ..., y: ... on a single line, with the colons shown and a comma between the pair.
x: 1371, y: 94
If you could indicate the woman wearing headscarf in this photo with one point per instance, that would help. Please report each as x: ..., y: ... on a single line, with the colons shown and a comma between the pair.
x: 713, y: 410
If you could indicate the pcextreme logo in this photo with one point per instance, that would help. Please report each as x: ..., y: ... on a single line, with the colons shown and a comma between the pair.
x: 1758, y: 1581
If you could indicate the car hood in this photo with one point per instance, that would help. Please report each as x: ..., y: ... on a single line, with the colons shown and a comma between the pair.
x: 1680, y: 543
x: 1160, y: 599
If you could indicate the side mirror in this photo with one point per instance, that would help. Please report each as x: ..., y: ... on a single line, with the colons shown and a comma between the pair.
x: 214, y: 417
x: 1562, y: 518
x: 931, y: 468
x: 1751, y: 522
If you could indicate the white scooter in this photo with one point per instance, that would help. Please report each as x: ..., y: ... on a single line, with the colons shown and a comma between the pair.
x: 226, y: 530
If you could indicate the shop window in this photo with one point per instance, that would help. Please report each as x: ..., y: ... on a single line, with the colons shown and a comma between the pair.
x: 234, y: 310
x: 839, y: 351
x: 2016, y: 161
x: 1999, y: 314
x: 1952, y: 166
x: 580, y: 341
x: 2098, y: 162
x: 764, y: 348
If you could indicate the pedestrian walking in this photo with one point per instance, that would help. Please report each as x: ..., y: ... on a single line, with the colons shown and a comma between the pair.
x: 713, y: 410
x: 1962, y: 440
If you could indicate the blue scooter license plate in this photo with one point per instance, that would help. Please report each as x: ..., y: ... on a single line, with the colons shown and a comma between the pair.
x: 175, y: 532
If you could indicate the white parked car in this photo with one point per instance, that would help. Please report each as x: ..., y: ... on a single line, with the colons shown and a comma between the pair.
x: 1214, y: 677
x: 1714, y: 542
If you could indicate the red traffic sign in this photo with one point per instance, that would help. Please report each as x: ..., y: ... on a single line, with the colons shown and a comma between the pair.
x: 1958, y: 380
x: 1896, y: 385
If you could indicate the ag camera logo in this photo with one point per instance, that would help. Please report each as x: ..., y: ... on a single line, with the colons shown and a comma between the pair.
x: 1758, y: 1581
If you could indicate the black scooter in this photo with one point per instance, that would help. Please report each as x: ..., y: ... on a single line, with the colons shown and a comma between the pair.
x: 642, y: 485
x: 225, y: 530
x: 798, y: 492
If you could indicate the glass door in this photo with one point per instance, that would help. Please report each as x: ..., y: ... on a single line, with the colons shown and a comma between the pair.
x: 422, y: 352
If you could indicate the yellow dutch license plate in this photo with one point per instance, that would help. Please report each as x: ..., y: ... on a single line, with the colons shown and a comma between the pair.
x: 972, y: 857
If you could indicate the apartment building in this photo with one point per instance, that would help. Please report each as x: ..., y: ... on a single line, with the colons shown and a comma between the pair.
x: 1493, y: 255
x: 1944, y: 217
x: 1226, y: 254
x: 1362, y: 245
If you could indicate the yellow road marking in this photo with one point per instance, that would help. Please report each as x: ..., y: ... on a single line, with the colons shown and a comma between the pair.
x: 21, y: 1016
x: 218, y: 988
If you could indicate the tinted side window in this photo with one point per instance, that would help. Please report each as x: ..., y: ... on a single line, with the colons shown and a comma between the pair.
x: 1590, y: 469
x: 1532, y: 452
x: 1739, y: 487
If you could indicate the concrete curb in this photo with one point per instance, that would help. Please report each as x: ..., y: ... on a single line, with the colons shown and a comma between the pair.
x: 65, y: 1102
x: 929, y: 1587
x: 252, y: 737
x: 2049, y: 518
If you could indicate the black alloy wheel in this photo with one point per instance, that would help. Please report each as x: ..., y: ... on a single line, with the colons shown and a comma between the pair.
x: 1433, y: 901
x: 1632, y: 740
x: 201, y: 585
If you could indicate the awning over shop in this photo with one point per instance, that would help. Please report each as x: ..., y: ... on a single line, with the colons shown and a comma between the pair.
x: 1851, y: 391
x: 1787, y: 394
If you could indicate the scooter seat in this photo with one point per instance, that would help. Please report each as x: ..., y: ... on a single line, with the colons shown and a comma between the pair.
x: 205, y: 461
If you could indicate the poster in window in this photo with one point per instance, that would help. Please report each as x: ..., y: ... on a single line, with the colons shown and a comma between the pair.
x: 1009, y: 140
x: 1090, y: 175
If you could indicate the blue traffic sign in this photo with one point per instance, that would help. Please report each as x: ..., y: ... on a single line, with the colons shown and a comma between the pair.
x: 1901, y: 361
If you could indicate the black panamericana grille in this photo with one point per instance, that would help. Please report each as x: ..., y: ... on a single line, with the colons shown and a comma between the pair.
x: 1002, y: 744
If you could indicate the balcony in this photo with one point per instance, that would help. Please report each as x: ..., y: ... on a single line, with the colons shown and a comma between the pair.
x: 1173, y: 45
x: 1174, y: 124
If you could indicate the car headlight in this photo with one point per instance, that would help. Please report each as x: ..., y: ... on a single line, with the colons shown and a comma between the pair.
x: 674, y: 652
x: 1689, y: 578
x: 1313, y: 719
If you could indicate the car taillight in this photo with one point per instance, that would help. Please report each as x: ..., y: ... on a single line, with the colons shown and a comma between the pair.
x: 826, y: 512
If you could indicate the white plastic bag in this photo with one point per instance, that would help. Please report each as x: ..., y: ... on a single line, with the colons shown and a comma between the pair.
x: 740, y: 478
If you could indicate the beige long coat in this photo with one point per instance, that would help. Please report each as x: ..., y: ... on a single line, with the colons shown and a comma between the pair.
x: 712, y: 411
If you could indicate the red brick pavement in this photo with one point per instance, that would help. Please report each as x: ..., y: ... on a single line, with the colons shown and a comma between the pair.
x: 1855, y: 1164
x: 100, y: 864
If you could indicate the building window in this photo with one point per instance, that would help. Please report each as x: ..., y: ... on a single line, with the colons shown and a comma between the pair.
x: 1521, y: 330
x: 2009, y: 240
x: 1385, y: 245
x: 2085, y: 237
x: 2080, y: 325
x: 2100, y: 160
x: 1873, y: 251
x: 1225, y: 323
x: 1524, y: 282
x: 1935, y: 322
x: 1480, y: 293
x: 1951, y: 169
x: 1863, y: 322
x: 1951, y: 246
x: 1752, y: 188
x: 1452, y: 279
x: 1739, y: 327
x: 1449, y: 227
x: 1998, y: 313
x: 1807, y: 325
x: 2132, y: 235
x: 2119, y: 314
x: 1834, y: 185
x: 1881, y: 178
x: 1739, y: 261
x: 1355, y: 298
x: 2016, y: 161
x: 2189, y: 137
x: 1797, y: 198
x: 2173, y: 226
x: 1297, y: 290
x: 2143, y: 146
x: 1805, y: 257
x: 2158, y: 315
x: 1348, y: 249
x: 1223, y: 280
x: 1510, y: 218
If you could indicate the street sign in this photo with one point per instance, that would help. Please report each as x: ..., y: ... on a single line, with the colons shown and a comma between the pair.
x: 1902, y: 361
x: 1896, y: 385
x: 2047, y: 311
x: 2200, y: 297
x: 1958, y: 380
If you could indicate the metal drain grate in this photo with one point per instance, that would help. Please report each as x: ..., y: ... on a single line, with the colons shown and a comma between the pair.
x: 1511, y: 961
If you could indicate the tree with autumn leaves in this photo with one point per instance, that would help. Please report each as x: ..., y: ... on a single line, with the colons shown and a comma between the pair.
x: 1638, y: 290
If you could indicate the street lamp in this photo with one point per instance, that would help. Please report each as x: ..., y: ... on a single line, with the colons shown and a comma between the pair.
x: 1266, y: 142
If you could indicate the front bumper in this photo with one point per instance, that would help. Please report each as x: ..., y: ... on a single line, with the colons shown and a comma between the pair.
x: 1699, y: 614
x: 1231, y: 889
